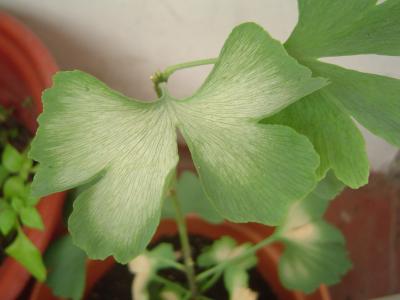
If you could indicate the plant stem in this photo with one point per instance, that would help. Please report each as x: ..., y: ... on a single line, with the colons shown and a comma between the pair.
x: 220, y: 267
x: 184, y: 239
x: 172, y: 263
x: 211, y: 281
x: 169, y: 283
x: 171, y: 69
x: 160, y: 77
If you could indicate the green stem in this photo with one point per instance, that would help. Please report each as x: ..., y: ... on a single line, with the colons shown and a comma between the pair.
x: 172, y: 263
x: 171, y: 69
x: 211, y: 281
x: 220, y: 267
x: 160, y: 77
x: 169, y: 283
x: 184, y: 239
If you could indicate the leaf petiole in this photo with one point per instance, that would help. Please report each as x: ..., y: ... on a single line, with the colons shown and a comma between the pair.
x: 172, y: 263
x: 186, y: 250
x: 160, y: 77
x: 211, y: 281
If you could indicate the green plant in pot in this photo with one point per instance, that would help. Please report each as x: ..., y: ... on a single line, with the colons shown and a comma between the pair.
x: 17, y: 206
x: 270, y: 133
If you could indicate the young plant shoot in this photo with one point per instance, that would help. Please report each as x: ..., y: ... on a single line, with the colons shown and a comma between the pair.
x: 271, y: 135
x: 17, y: 206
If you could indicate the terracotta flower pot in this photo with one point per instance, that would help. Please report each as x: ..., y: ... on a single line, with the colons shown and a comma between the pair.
x: 268, y: 257
x: 26, y: 68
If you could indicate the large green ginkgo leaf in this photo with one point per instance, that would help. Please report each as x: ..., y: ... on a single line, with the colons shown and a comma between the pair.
x: 334, y: 135
x: 345, y: 27
x: 126, y: 149
x: 373, y: 100
x: 315, y: 251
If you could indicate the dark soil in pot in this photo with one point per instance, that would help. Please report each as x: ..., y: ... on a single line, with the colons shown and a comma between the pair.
x: 4, y: 242
x: 116, y: 284
x: 11, y: 131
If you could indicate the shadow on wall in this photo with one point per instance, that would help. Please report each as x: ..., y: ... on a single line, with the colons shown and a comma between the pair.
x: 72, y: 52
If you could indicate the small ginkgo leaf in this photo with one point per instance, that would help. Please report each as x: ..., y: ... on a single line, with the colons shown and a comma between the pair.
x: 225, y: 249
x: 192, y: 199
x: 146, y: 265
x: 236, y: 281
x: 235, y: 274
x: 26, y: 253
x: 315, y: 251
x: 126, y: 151
x: 346, y: 27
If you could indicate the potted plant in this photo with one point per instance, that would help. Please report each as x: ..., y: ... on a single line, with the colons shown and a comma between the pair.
x: 270, y: 134
x: 25, y: 70
x: 70, y: 277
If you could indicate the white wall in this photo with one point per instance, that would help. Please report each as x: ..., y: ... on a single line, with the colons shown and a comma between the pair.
x: 124, y: 41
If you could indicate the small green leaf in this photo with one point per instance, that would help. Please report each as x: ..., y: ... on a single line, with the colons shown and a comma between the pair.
x: 236, y: 281
x: 192, y: 199
x: 26, y: 253
x: 26, y: 168
x: 8, y: 218
x: 28, y: 198
x: 12, y: 160
x: 32, y: 201
x: 315, y: 251
x: 235, y: 274
x: 3, y: 174
x: 218, y: 252
x: 146, y: 265
x: 67, y: 269
x: 14, y: 187
x: 225, y: 249
x: 235, y: 278
x: 162, y: 255
x: 17, y: 204
x: 31, y: 217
